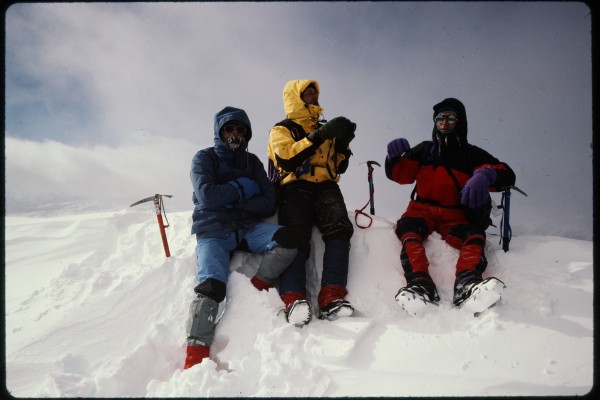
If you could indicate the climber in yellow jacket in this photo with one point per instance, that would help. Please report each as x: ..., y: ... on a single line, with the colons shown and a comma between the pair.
x: 306, y: 157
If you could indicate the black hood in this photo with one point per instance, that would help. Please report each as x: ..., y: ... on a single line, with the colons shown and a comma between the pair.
x: 452, y: 104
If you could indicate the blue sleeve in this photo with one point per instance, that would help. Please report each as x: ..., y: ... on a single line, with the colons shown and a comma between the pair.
x: 262, y: 205
x: 209, y: 193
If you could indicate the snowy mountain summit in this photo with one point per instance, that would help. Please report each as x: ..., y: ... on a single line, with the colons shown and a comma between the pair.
x: 95, y: 309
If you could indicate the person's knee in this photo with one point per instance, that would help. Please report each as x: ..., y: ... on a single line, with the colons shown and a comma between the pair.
x: 339, y: 230
x: 212, y: 288
x: 291, y: 237
x: 282, y: 255
x: 468, y: 233
x: 274, y: 262
x: 294, y: 237
x: 411, y: 225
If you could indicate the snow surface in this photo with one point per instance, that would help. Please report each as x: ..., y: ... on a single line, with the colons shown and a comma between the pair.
x: 95, y: 309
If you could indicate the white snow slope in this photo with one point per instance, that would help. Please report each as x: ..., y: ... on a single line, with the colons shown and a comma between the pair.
x: 95, y: 309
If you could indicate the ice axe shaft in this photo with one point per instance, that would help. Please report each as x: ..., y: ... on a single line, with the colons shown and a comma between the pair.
x: 371, y: 186
x: 371, y: 197
x: 161, y: 225
x: 157, y: 199
x: 506, y: 231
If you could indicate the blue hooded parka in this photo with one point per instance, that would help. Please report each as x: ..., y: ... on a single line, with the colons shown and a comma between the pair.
x: 218, y: 209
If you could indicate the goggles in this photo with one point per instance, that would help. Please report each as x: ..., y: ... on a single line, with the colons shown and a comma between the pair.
x: 241, y: 129
x: 451, y: 119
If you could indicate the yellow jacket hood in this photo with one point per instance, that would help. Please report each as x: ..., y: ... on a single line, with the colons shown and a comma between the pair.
x: 294, y: 107
x: 292, y: 154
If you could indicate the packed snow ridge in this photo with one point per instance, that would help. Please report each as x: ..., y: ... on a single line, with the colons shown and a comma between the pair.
x: 95, y: 309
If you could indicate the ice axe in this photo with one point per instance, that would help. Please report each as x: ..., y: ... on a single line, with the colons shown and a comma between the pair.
x: 158, y: 207
x: 371, y: 195
x: 505, y: 230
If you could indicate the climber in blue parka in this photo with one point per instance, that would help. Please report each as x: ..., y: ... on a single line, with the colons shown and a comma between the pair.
x: 232, y: 196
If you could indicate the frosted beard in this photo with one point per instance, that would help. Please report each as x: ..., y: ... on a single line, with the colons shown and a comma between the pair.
x: 234, y: 143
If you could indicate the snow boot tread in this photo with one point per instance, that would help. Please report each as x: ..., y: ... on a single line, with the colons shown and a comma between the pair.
x: 336, y: 309
x: 482, y: 295
x: 416, y: 300
x: 298, y: 313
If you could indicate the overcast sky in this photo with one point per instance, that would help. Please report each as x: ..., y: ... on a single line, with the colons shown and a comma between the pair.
x: 106, y: 103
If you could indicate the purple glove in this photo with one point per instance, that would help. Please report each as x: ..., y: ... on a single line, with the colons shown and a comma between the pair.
x: 477, y: 189
x: 397, y: 147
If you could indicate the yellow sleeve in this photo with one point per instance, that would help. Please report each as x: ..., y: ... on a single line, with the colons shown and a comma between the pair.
x: 286, y: 153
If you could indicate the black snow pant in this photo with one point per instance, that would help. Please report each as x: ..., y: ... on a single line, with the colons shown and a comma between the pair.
x: 307, y: 204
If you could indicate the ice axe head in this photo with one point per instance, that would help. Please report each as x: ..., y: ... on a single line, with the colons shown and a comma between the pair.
x: 370, y: 164
x: 371, y: 189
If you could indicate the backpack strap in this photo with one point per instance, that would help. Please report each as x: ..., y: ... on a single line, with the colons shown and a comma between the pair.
x: 332, y: 174
x: 301, y: 165
x: 298, y: 132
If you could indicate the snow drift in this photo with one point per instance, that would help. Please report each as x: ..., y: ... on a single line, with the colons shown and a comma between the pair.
x: 94, y: 309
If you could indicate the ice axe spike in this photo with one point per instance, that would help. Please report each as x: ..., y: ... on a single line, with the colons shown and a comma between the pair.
x: 158, y: 207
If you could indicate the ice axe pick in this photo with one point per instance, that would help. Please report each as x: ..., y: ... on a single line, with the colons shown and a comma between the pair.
x: 158, y: 206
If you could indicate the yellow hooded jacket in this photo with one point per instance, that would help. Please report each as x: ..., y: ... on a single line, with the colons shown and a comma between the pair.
x: 297, y: 157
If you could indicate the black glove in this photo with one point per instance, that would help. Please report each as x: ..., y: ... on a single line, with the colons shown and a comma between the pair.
x: 348, y: 135
x: 335, y: 128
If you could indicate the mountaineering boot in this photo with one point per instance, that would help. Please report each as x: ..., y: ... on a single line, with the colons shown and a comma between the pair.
x: 463, y: 285
x: 336, y: 309
x: 419, y: 294
x: 332, y: 304
x: 297, y: 308
x: 195, y: 355
x: 201, y: 328
x: 474, y: 294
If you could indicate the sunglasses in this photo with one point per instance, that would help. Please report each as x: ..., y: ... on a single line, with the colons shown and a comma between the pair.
x: 451, y: 119
x: 241, y: 129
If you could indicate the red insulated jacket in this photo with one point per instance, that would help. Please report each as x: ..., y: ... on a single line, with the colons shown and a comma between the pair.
x: 432, y: 164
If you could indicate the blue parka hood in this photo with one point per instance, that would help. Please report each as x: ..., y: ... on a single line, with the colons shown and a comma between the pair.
x: 231, y: 114
x: 218, y: 208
